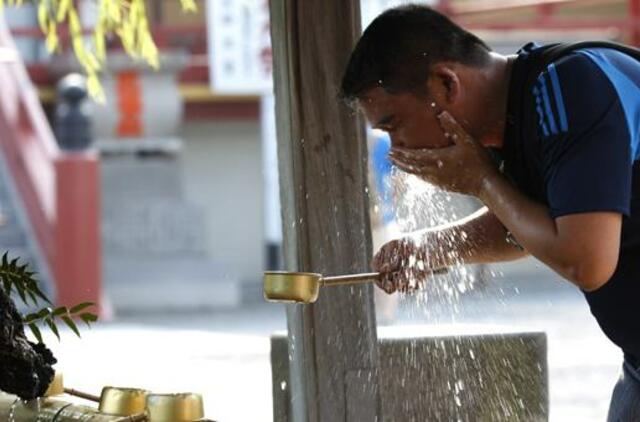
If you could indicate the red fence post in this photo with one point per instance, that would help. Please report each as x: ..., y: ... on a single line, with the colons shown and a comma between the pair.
x: 78, y: 250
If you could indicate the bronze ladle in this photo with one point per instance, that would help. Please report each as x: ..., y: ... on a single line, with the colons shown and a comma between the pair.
x: 282, y: 286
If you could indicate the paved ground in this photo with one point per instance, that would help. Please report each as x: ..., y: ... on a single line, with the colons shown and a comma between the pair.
x: 225, y: 355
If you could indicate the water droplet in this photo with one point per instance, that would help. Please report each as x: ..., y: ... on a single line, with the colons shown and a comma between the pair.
x: 283, y: 385
x: 440, y: 164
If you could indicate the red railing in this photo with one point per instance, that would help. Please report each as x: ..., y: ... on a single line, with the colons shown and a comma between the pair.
x: 60, y: 191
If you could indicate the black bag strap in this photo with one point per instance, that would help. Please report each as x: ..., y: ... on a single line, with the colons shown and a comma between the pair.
x: 551, y: 53
x: 555, y: 51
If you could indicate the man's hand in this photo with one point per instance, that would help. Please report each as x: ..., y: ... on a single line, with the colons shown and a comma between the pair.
x: 461, y: 167
x: 402, y: 266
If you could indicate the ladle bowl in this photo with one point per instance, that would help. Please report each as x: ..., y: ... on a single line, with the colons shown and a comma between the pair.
x: 295, y: 287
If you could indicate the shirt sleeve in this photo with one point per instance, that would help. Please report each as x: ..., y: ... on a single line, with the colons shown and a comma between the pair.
x: 585, y: 135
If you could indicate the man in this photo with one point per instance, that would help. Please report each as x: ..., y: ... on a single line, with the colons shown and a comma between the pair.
x: 555, y: 162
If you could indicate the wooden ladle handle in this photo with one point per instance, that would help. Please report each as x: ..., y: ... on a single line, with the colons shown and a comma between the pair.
x: 349, y: 279
x: 362, y: 278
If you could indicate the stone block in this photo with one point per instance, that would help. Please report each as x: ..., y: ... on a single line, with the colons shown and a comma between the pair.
x: 448, y: 373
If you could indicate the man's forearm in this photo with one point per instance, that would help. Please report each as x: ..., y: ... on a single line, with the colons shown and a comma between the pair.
x: 479, y: 238
x: 533, y: 227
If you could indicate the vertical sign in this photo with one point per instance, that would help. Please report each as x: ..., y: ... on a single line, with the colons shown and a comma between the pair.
x: 239, y: 46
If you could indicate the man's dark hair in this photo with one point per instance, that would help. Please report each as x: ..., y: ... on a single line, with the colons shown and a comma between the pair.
x: 399, y: 47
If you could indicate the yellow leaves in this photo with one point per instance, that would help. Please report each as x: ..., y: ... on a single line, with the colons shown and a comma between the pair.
x: 127, y: 19
x: 63, y: 9
x: 189, y: 6
x: 100, y: 43
x: 48, y: 27
x: 94, y: 87
x: 43, y: 17
x: 113, y: 10
x: 51, y: 39
x: 75, y: 27
x: 150, y: 51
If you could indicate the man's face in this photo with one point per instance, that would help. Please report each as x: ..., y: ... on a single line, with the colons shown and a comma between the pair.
x: 410, y: 121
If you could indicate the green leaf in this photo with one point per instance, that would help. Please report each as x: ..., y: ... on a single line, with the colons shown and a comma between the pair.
x: 88, y: 318
x: 33, y: 297
x: 81, y: 307
x: 21, y: 292
x: 35, y: 289
x: 36, y: 332
x: 60, y: 311
x: 29, y: 318
x: 52, y: 327
x: 6, y: 285
x: 44, y: 312
x: 71, y: 325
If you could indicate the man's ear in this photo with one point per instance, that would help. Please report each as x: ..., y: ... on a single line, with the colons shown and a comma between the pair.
x: 444, y: 83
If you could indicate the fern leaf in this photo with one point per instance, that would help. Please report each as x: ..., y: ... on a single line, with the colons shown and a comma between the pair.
x: 60, y: 311
x: 88, y: 318
x: 36, y: 332
x: 52, y: 327
x: 81, y: 307
x: 71, y: 325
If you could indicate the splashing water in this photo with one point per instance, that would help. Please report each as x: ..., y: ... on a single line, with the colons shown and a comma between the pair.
x: 469, y: 372
x: 419, y: 206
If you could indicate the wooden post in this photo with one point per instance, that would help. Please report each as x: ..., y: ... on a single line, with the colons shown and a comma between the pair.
x: 323, y: 189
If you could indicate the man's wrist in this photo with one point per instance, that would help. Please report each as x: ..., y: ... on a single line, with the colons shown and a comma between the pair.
x: 487, y: 185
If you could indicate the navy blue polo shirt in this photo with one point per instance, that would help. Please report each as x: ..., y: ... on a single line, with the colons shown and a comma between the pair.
x: 571, y: 142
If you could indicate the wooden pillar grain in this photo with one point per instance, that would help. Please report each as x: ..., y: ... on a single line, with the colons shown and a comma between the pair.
x: 323, y: 189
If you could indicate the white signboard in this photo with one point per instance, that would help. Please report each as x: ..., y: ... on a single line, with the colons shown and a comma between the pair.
x: 240, y: 43
x: 239, y: 46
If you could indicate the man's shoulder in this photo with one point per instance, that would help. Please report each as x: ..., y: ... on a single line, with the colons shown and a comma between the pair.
x: 582, y: 88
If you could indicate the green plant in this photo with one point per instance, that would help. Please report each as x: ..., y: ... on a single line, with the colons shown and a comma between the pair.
x: 125, y: 19
x: 15, y: 277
